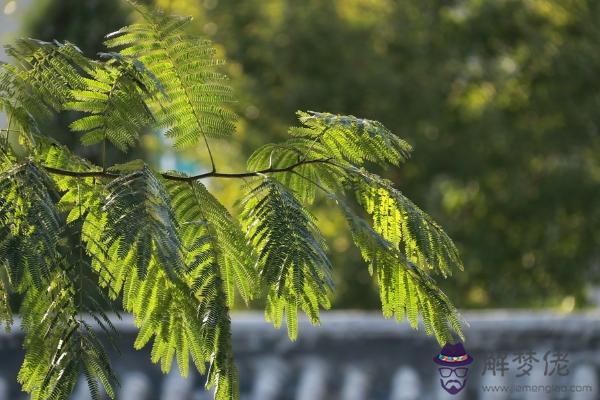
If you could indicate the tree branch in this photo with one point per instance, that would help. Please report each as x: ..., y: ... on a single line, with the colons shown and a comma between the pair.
x: 212, y: 174
x: 81, y: 174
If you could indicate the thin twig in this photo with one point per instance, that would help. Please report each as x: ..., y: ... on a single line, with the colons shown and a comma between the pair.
x: 212, y: 161
x: 81, y: 174
x: 212, y: 174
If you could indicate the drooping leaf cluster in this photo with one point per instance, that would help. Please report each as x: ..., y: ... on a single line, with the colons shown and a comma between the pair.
x: 78, y: 238
x: 113, y: 95
x: 401, y: 244
x: 42, y: 259
x: 291, y: 254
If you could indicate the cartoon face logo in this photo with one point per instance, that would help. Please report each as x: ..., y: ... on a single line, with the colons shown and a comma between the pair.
x: 453, y: 380
x: 453, y: 361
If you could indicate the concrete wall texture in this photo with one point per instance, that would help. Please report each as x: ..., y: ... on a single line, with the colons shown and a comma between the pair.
x: 360, y: 356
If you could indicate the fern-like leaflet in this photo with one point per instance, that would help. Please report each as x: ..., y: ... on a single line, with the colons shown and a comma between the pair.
x: 195, y: 92
x: 59, y: 344
x: 405, y: 290
x: 403, y: 241
x: 216, y: 257
x: 199, y: 210
x: 40, y: 82
x: 291, y: 254
x: 353, y: 139
x: 75, y: 237
x: 30, y: 226
x: 141, y: 224
x: 404, y: 224
x: 114, y: 96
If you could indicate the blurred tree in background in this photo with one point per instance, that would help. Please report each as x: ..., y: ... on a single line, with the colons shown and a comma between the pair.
x: 499, y: 98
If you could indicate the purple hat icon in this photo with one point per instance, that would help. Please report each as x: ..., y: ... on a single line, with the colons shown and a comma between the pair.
x: 453, y: 355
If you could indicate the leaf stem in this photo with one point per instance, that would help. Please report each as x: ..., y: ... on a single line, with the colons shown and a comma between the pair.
x: 212, y: 161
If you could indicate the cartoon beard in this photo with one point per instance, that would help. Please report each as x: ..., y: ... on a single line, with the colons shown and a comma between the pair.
x: 452, y: 386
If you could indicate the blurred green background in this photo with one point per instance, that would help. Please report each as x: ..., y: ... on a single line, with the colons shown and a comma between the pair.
x: 499, y: 98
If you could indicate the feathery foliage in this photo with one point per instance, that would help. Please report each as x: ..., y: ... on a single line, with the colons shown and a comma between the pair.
x: 198, y: 211
x: 76, y: 237
x: 140, y: 224
x: 195, y: 93
x: 216, y: 260
x: 31, y: 226
x: 406, y: 290
x: 40, y: 82
x: 301, y: 179
x: 406, y: 226
x: 114, y: 96
x: 61, y: 345
x: 291, y: 254
x: 353, y: 139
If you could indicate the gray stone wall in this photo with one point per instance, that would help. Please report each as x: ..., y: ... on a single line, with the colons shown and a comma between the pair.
x: 356, y: 356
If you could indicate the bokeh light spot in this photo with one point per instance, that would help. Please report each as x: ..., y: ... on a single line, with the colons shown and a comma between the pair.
x: 10, y: 7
